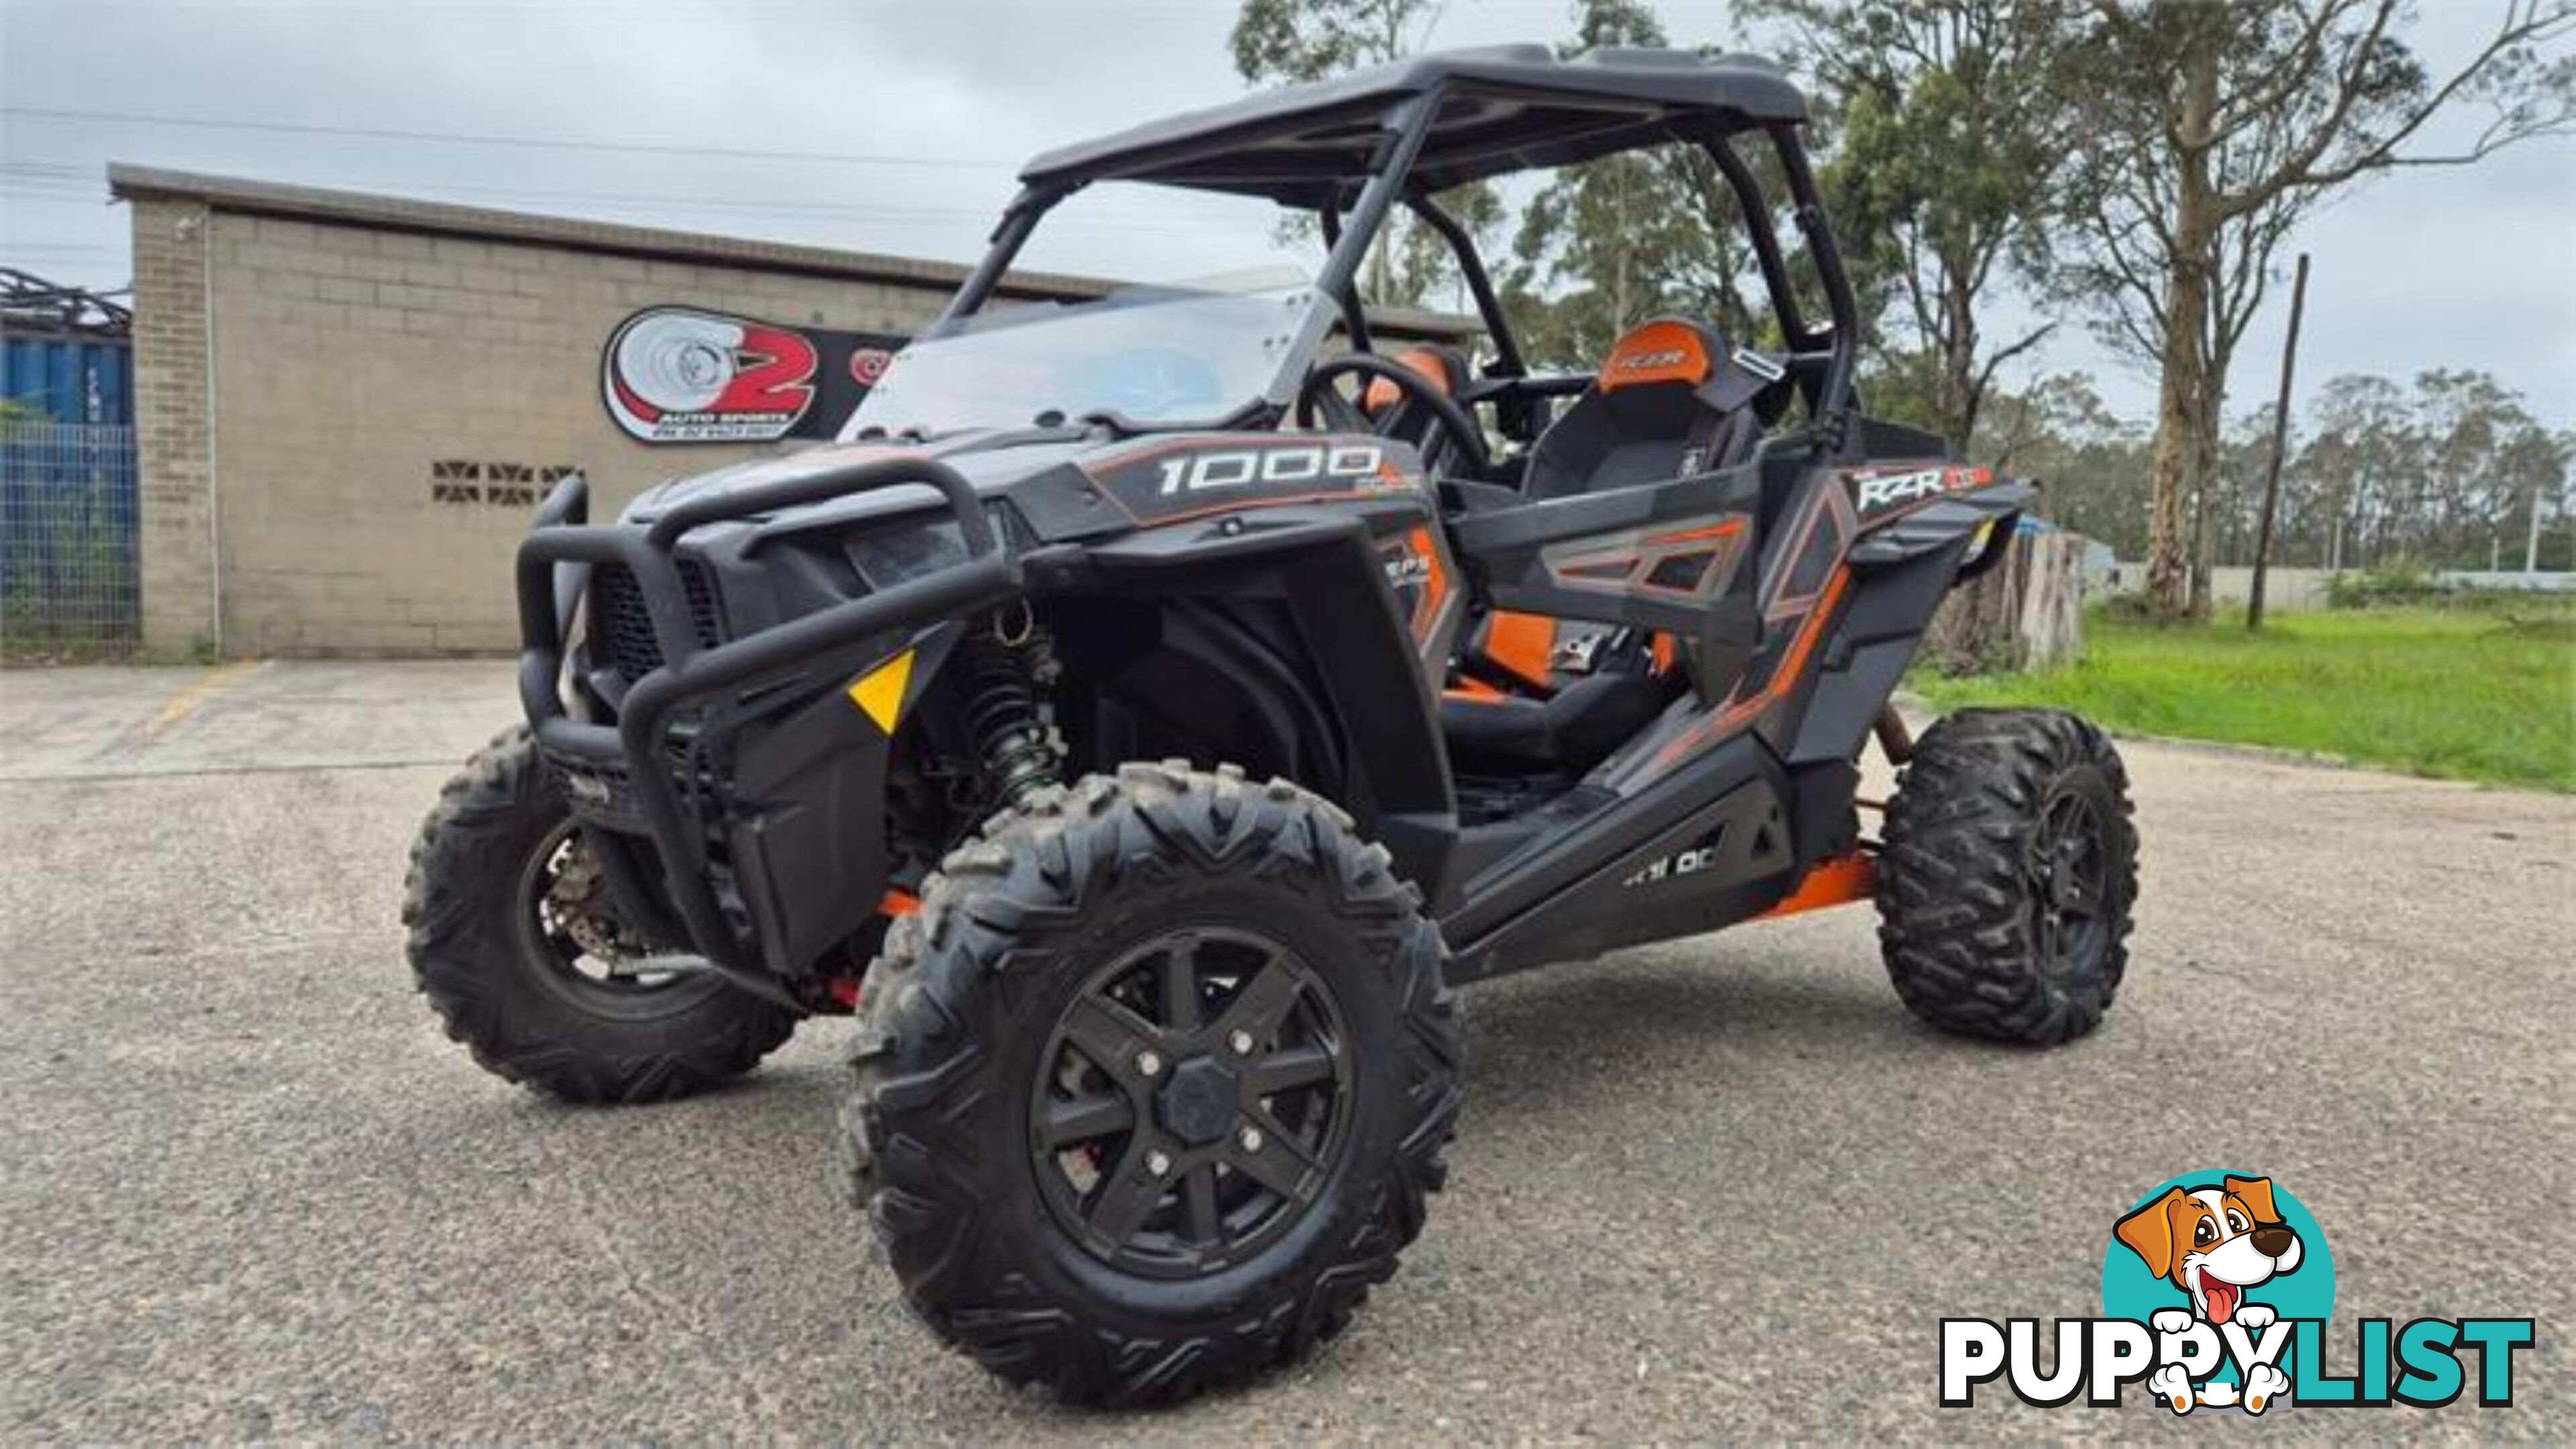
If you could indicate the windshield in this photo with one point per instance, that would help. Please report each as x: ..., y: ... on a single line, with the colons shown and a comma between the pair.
x: 1154, y: 356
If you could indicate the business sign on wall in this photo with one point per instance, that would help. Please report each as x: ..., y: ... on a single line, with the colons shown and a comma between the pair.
x: 681, y: 375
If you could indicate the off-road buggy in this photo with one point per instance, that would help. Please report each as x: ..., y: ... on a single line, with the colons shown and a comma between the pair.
x: 1142, y: 720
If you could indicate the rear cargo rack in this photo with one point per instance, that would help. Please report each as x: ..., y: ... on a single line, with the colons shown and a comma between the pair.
x: 695, y: 667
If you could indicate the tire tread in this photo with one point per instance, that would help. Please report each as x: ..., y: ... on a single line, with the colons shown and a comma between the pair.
x: 465, y: 971
x: 918, y: 1074
x: 1952, y: 897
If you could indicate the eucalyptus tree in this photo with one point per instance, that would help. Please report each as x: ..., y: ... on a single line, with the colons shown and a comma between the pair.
x: 2210, y: 131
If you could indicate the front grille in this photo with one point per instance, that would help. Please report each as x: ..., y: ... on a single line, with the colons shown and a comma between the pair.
x: 601, y: 790
x: 622, y: 629
x: 598, y: 790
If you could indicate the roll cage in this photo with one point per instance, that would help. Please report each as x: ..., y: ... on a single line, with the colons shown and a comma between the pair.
x: 740, y: 852
x: 1352, y: 150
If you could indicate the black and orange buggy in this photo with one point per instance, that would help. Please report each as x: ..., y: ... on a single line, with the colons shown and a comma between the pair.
x: 1152, y: 707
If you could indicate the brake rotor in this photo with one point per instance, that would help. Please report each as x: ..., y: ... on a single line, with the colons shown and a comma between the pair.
x: 578, y: 901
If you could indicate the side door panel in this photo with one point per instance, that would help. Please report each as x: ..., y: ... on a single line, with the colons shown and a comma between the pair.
x: 1673, y: 558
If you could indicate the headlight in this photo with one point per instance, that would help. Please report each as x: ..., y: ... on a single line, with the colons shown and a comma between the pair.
x: 906, y: 551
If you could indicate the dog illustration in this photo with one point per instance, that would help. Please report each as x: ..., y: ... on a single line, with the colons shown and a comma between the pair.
x: 2214, y: 1243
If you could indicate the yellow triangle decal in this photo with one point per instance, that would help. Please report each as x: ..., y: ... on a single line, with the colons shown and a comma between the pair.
x: 879, y: 692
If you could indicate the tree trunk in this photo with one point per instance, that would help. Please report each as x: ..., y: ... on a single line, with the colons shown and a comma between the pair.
x: 2024, y: 613
x: 2204, y: 539
x: 1957, y: 398
x: 2184, y: 421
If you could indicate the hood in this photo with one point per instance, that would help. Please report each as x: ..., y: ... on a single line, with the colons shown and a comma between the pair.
x: 989, y: 459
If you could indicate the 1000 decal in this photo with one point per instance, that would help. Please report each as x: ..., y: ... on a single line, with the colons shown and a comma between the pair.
x: 1296, y: 463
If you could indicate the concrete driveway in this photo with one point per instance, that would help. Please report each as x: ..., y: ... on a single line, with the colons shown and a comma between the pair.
x: 1723, y: 1188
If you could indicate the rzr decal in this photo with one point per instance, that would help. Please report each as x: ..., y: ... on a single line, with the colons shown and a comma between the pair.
x: 1878, y: 492
x: 682, y: 375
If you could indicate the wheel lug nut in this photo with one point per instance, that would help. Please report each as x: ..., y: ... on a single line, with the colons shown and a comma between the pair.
x: 1149, y: 1063
x: 1241, y: 1041
x: 1157, y: 1163
x: 1250, y: 1137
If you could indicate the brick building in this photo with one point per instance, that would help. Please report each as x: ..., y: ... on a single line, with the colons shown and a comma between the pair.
x: 348, y: 404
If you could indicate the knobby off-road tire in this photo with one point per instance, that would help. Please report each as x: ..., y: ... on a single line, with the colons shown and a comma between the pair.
x: 948, y: 1118
x: 2007, y: 875
x: 484, y: 960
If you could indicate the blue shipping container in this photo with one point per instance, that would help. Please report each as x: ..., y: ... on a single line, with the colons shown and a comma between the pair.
x: 70, y: 379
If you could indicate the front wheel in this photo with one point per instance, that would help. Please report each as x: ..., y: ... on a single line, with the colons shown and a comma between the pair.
x: 1152, y: 1089
x: 2007, y: 874
x: 516, y: 945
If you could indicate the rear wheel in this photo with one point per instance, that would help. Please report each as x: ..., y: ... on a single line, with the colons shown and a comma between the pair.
x: 2008, y: 870
x: 516, y: 945
x: 1153, y: 1087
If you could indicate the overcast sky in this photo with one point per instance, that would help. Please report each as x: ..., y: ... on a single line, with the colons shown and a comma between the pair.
x: 2441, y: 267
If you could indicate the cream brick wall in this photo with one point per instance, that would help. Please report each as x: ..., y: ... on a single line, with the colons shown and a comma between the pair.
x: 347, y: 359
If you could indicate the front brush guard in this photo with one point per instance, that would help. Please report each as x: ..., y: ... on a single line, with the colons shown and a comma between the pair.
x: 692, y: 671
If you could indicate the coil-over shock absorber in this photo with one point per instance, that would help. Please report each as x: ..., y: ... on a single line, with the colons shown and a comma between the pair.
x: 1002, y: 664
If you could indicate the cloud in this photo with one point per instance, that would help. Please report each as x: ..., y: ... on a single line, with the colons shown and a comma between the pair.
x: 2423, y: 269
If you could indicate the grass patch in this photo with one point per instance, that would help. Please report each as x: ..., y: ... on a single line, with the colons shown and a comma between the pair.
x: 2471, y: 693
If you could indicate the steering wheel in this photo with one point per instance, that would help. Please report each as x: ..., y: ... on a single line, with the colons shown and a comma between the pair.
x: 1317, y: 396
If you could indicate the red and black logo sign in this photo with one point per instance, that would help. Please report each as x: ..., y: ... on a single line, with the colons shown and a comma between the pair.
x: 681, y: 375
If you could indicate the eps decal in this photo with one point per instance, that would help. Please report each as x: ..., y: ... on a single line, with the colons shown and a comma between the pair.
x: 685, y: 375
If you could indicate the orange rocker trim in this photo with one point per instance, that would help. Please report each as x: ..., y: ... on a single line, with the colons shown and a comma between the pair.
x: 1837, y: 881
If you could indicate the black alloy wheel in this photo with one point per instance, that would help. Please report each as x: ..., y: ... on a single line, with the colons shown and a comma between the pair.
x: 1193, y: 1103
x: 2069, y: 873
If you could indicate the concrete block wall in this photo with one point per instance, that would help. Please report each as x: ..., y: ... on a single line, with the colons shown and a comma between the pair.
x: 173, y: 440
x: 350, y: 404
x: 348, y: 363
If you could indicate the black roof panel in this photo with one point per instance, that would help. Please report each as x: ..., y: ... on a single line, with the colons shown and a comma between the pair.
x: 1510, y: 108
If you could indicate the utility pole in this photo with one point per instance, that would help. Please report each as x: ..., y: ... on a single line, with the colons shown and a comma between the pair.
x: 2531, y: 533
x: 2280, y: 442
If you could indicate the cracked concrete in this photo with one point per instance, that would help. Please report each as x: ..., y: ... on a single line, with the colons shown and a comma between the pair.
x: 1720, y: 1188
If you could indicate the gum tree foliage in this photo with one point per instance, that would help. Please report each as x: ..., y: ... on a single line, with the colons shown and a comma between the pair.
x: 2442, y: 472
x: 2445, y: 472
x: 2210, y: 131
x: 1606, y: 244
x: 2092, y: 463
x: 1280, y: 41
x: 1594, y: 249
x: 1952, y: 128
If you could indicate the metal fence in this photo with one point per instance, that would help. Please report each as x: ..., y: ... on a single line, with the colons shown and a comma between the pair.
x: 69, y: 583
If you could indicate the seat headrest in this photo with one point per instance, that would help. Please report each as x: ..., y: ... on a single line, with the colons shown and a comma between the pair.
x: 1445, y: 368
x: 1666, y: 349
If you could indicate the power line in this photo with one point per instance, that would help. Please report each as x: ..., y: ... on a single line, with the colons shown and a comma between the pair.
x: 377, y: 133
x: 650, y: 207
x: 56, y: 182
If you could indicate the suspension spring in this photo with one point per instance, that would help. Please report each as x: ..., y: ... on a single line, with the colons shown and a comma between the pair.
x: 1001, y: 665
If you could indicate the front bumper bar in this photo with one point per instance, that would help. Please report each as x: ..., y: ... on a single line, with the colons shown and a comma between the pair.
x: 693, y: 672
